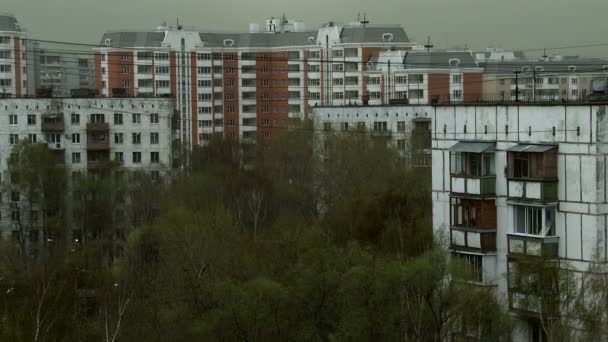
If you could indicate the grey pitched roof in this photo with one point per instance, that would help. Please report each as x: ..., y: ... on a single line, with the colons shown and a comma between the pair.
x: 591, y: 65
x: 372, y: 34
x: 438, y: 59
x: 133, y: 39
x: 258, y: 39
x: 9, y: 23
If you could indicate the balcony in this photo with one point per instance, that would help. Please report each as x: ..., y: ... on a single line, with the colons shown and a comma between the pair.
x: 98, y: 145
x: 532, y: 189
x: 479, y: 186
x: 98, y: 164
x: 52, y: 123
x: 473, y: 240
x: 532, y: 173
x: 98, y: 126
x: 531, y: 245
x: 381, y: 133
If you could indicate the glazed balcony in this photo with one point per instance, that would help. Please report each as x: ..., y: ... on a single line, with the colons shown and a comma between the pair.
x: 473, y: 240
x: 98, y: 126
x: 531, y: 245
x: 52, y: 123
x: 532, y: 189
x: 98, y: 145
x: 477, y: 186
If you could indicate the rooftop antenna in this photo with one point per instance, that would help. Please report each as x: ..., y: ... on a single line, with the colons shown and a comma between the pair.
x: 428, y: 45
x: 364, y: 21
x: 545, y: 57
x: 178, y: 26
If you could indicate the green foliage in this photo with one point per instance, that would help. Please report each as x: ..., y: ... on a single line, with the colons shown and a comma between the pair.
x: 275, y: 244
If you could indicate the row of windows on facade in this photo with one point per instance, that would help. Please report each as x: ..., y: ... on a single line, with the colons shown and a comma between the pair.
x: 119, y: 157
x: 312, y: 82
x: 13, y: 119
x: 265, y: 109
x: 539, y: 80
x: 378, y: 126
x: 543, y: 93
x: 6, y: 54
x: 290, y: 55
x: 55, y: 138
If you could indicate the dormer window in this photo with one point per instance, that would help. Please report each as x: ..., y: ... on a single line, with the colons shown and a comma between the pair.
x: 454, y: 62
x: 572, y: 68
x: 311, y: 40
x: 539, y: 68
x: 228, y: 42
x: 604, y: 67
x: 525, y: 69
x: 108, y: 41
x: 387, y: 37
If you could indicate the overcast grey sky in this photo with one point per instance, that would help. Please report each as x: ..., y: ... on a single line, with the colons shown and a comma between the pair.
x: 522, y: 24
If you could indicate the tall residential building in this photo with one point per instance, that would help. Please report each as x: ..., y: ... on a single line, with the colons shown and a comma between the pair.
x: 421, y: 77
x: 61, y: 72
x: 228, y: 83
x: 13, y: 58
x: 517, y: 183
x: 566, y: 80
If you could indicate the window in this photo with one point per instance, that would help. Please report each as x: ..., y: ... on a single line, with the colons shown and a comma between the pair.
x: 154, y: 118
x: 457, y: 94
x: 230, y: 83
x: 162, y: 84
x: 118, y: 138
x: 457, y: 79
x: 136, y: 157
x: 125, y: 83
x: 400, y: 126
x: 118, y: 156
x: 162, y: 56
x: 13, y: 139
x: 380, y: 126
x: 373, y: 80
x: 125, y: 57
x: 574, y: 80
x: 401, y: 79
x: 162, y: 70
x: 5, y: 54
x: 338, y: 81
x: 472, y: 265
x: 534, y: 220
x: 338, y: 53
x: 401, y: 144
x: 136, y: 118
x: 204, y: 83
x: 338, y: 67
x: 5, y: 68
x: 75, y: 119
x: 118, y: 119
x: 520, y: 166
x: 472, y: 164
x: 314, y: 82
x: 75, y: 138
x: 204, y: 110
x: 124, y: 70
x: 12, y: 119
x: 204, y: 97
x: 136, y: 138
x: 5, y: 40
x: 31, y: 119
x: 15, y: 196
x: 154, y: 138
x: 32, y: 138
x: 314, y: 68
x: 154, y: 157
x: 76, y: 158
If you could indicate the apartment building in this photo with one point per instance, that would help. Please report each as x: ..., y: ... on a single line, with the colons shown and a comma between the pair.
x: 233, y: 83
x: 514, y: 182
x: 13, y: 57
x: 61, y: 72
x: 561, y: 80
x: 86, y: 135
x: 422, y: 77
x: 407, y: 128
